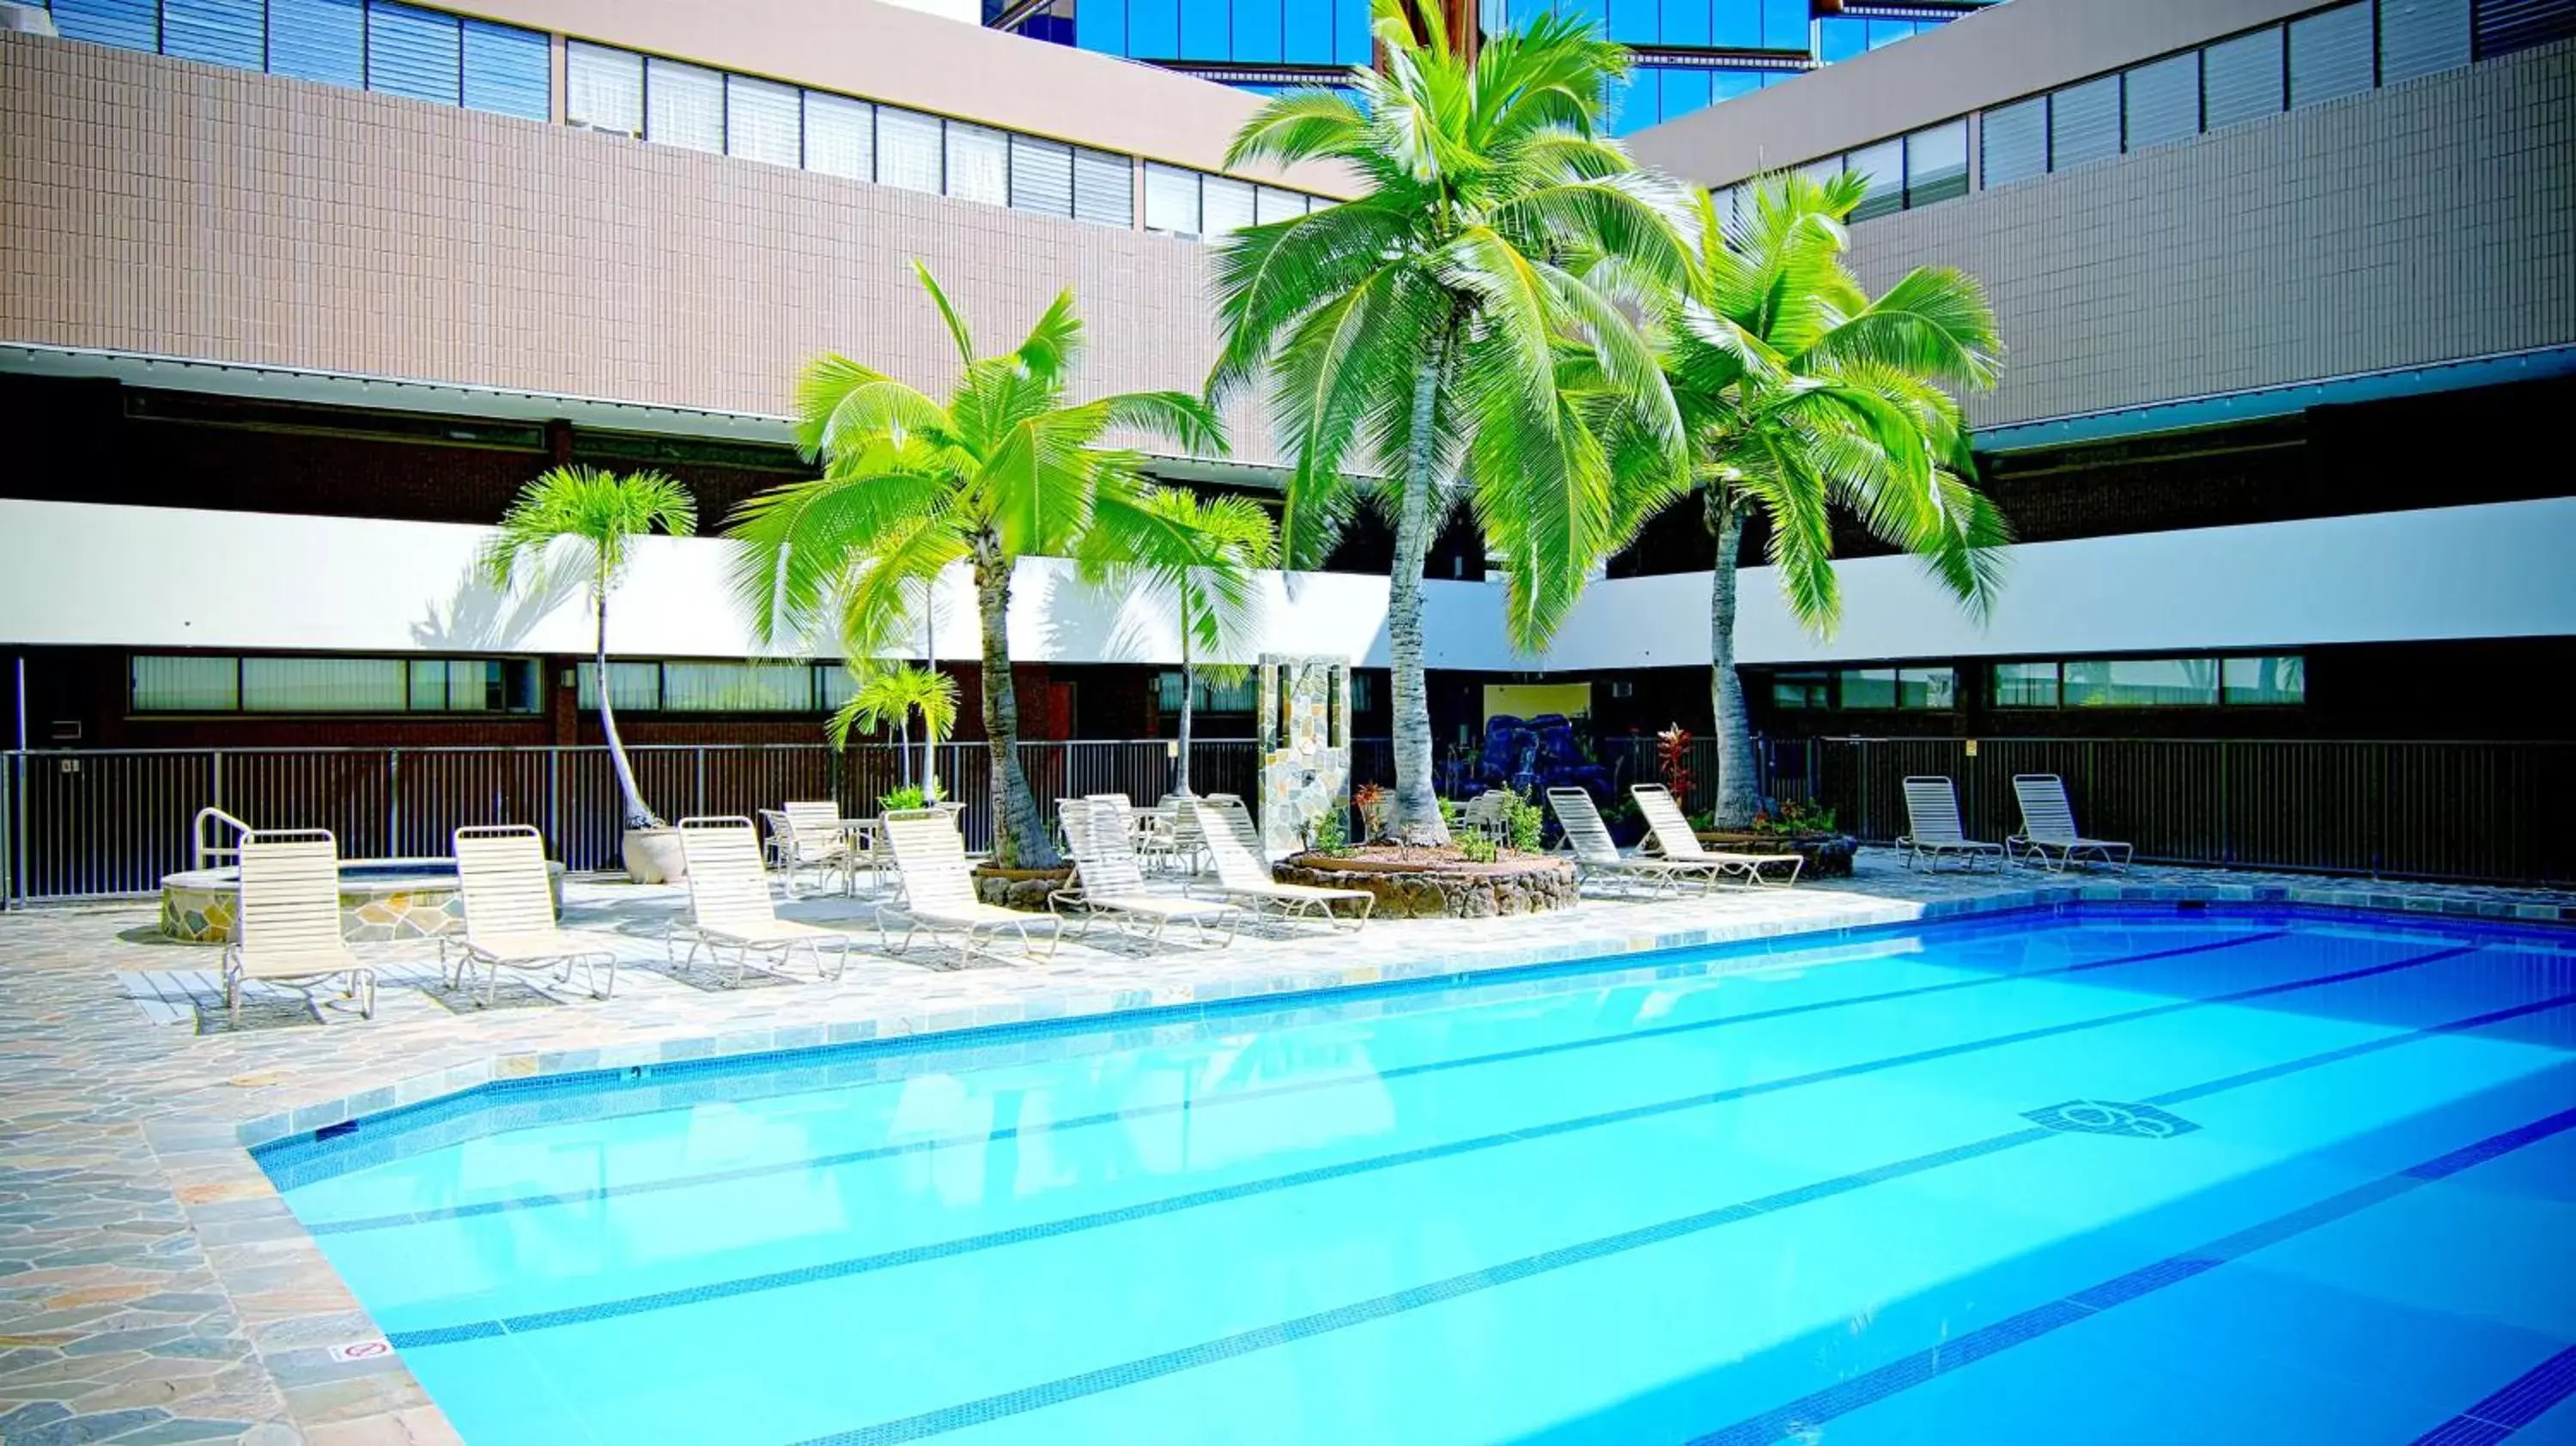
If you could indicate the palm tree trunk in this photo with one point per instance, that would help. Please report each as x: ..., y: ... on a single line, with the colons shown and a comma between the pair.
x: 1736, y: 799
x: 1415, y: 818
x: 1019, y: 835
x: 637, y: 815
x: 1189, y: 696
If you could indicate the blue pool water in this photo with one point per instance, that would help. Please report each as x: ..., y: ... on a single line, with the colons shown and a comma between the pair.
x: 2108, y: 1176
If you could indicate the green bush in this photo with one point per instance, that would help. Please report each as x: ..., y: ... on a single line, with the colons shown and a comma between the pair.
x: 1478, y: 848
x: 1525, y: 821
x: 901, y: 798
x: 1332, y: 835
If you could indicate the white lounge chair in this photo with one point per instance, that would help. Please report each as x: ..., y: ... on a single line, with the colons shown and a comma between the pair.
x: 938, y: 887
x: 1110, y: 882
x: 286, y: 921
x: 1932, y: 828
x: 730, y: 908
x: 1486, y: 815
x: 815, y: 841
x: 510, y: 915
x: 1675, y: 839
x: 1224, y: 829
x: 1596, y: 854
x: 2048, y: 829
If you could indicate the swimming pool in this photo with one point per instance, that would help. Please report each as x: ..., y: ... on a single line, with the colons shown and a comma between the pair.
x: 2113, y: 1175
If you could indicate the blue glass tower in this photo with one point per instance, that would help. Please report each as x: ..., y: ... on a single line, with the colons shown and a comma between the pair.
x: 1690, y: 53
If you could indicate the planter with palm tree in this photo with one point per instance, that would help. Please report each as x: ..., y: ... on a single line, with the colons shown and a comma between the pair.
x: 1807, y: 398
x: 1198, y: 556
x: 1467, y: 322
x: 591, y: 518
x: 1008, y: 467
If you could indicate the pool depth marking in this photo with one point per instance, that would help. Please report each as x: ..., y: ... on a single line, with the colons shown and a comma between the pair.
x: 1136, y: 1113
x: 2521, y: 1401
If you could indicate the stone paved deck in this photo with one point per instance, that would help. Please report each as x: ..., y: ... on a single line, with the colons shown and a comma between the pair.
x: 154, y: 1288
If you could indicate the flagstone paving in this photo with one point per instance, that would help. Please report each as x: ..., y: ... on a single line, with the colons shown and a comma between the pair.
x: 154, y: 1288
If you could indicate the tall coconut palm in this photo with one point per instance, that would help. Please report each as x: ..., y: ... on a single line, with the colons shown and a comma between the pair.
x: 1198, y: 556
x: 1807, y: 398
x: 1467, y: 322
x: 1008, y: 467
x: 594, y: 517
x: 893, y: 695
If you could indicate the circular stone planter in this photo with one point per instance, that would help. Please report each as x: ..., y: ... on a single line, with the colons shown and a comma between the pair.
x: 1408, y: 889
x: 1828, y: 855
x: 381, y: 900
x: 1022, y: 889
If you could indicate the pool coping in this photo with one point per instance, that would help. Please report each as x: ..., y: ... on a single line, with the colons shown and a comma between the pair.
x: 331, y: 1365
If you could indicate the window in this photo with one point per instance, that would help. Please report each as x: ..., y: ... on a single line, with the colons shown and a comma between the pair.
x: 2330, y: 54
x: 1802, y: 690
x: 2084, y: 123
x: 1104, y: 188
x: 840, y: 136
x: 1273, y: 204
x: 186, y: 685
x: 2265, y: 680
x: 2421, y: 37
x: 1171, y: 200
x: 193, y: 684
x: 2014, y: 142
x: 738, y: 688
x: 979, y: 164
x: 1226, y: 206
x: 909, y: 150
x: 1883, y: 167
x: 2162, y: 102
x: 1936, y: 164
x: 1210, y: 697
x: 128, y: 24
x: 635, y: 686
x: 1821, y: 172
x: 1868, y: 687
x: 683, y: 105
x: 2505, y: 26
x: 2026, y: 685
x: 2140, y: 683
x: 413, y: 52
x: 223, y: 32
x: 604, y: 88
x: 1893, y: 688
x: 2241, y: 78
x: 1934, y: 688
x: 324, y: 40
x: 473, y: 685
x: 764, y: 121
x: 508, y: 71
x: 1041, y: 176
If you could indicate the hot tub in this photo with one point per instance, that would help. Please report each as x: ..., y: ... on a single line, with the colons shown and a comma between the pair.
x: 380, y: 900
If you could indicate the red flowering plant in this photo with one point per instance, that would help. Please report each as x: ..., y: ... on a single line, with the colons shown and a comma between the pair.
x: 1672, y: 759
x: 1370, y: 799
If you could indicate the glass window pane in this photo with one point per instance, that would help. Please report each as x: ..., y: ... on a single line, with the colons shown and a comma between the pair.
x: 2084, y: 123
x: 1869, y: 687
x: 508, y: 71
x: 1840, y: 37
x: 2266, y: 680
x: 429, y: 685
x: 186, y: 685
x: 1935, y: 688
x: 2422, y: 37
x: 2163, y: 101
x: 1273, y: 204
x: 840, y: 136
x: 979, y: 164
x: 909, y: 149
x: 416, y: 53
x: 2505, y: 26
x: 1936, y: 164
x: 1821, y: 171
x: 737, y: 688
x: 1171, y: 199
x: 1104, y: 188
x: 2013, y: 143
x: 323, y: 685
x: 1153, y: 29
x: 2330, y: 54
x: 1041, y: 176
x: 604, y: 89
x: 129, y: 24
x: 1736, y: 24
x: 1207, y: 29
x: 1801, y: 690
x: 683, y: 105
x: 322, y: 40
x: 1784, y: 25
x: 1257, y: 29
x: 1227, y: 205
x: 1883, y: 166
x: 762, y: 121
x: 2141, y: 683
x: 636, y: 686
x: 2241, y: 78
x: 2026, y: 685
x: 221, y: 32
x: 1306, y: 36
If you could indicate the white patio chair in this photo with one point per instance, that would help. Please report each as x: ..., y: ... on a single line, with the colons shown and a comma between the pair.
x: 1109, y: 881
x: 2048, y: 829
x: 815, y: 842
x: 1932, y: 828
x: 286, y: 921
x: 929, y: 859
x: 730, y: 907
x: 509, y: 900
x: 1597, y: 855
x: 1675, y: 839
x: 1233, y: 849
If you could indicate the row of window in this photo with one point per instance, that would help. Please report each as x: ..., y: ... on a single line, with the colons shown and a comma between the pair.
x: 1292, y: 32
x: 363, y: 44
x: 1244, y: 696
x: 197, y: 683
x: 2271, y: 680
x: 1653, y: 94
x: 800, y: 688
x: 1727, y: 24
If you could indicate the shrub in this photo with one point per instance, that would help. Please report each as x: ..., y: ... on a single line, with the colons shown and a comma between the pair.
x: 905, y: 797
x: 1794, y: 816
x: 1479, y: 849
x: 1332, y: 834
x: 1525, y: 821
x: 1371, y: 800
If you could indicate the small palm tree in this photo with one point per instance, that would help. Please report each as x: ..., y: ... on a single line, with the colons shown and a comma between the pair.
x: 1805, y: 397
x: 1008, y: 467
x: 894, y: 695
x: 594, y: 516
x: 1198, y: 554
x: 1468, y: 321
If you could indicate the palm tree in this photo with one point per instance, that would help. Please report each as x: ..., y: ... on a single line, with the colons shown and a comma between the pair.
x: 1199, y: 554
x: 1467, y: 320
x: 595, y: 516
x: 1007, y: 468
x: 1805, y: 398
x: 893, y: 695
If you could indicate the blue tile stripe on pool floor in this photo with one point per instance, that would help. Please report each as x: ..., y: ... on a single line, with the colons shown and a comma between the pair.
x: 804, y: 1165
x: 1808, y: 1412
x: 882, y: 1260
x: 2525, y: 1399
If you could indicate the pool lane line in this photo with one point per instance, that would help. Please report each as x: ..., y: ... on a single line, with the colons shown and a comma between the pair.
x: 1242, y: 1343
x: 1137, y: 1113
x: 2521, y: 1401
x: 856, y: 1265
x: 1812, y: 1410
